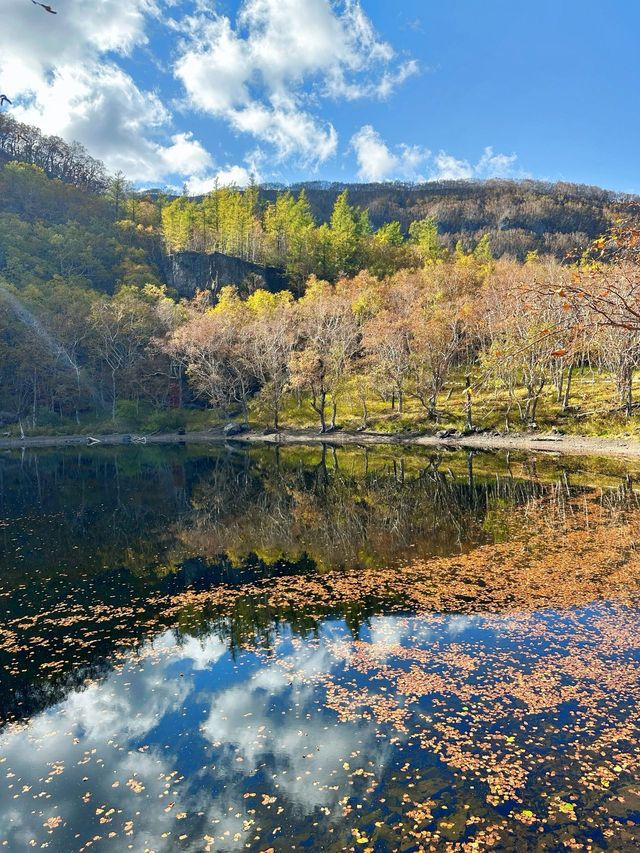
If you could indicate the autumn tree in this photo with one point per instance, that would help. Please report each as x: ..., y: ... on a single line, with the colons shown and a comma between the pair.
x: 388, y: 337
x: 122, y: 329
x: 270, y: 338
x: 329, y: 340
x: 212, y: 347
x: 524, y: 337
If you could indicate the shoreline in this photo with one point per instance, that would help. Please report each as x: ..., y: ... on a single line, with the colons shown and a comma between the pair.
x: 527, y: 442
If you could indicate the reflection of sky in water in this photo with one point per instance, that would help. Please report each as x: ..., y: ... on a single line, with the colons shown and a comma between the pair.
x: 183, y: 742
x: 188, y: 709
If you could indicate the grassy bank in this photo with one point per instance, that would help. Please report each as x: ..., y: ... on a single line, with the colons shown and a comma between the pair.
x: 589, y: 413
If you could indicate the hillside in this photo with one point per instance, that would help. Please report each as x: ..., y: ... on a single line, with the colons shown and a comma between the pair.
x: 404, y: 298
x: 519, y: 216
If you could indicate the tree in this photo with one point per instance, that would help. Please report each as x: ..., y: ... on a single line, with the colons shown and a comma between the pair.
x: 522, y: 337
x: 424, y: 234
x: 118, y: 189
x: 436, y: 342
x: 123, y: 327
x: 620, y: 353
x: 329, y: 341
x: 346, y: 230
x: 388, y: 335
x: 212, y: 347
x: 270, y: 340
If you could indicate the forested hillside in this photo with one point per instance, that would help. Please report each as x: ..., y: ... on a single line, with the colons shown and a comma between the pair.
x: 518, y: 216
x: 57, y: 159
x: 405, y: 303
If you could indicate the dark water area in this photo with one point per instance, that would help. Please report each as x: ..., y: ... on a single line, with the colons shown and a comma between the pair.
x: 284, y: 649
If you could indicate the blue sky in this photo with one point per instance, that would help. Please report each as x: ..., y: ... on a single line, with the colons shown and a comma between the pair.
x: 190, y: 91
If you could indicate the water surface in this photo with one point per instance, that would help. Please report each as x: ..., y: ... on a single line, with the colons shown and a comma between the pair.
x: 285, y: 649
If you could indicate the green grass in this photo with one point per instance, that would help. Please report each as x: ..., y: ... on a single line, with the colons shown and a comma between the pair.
x: 592, y: 399
x: 593, y: 395
x: 129, y: 419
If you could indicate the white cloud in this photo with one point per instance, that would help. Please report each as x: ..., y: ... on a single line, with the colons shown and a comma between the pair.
x: 266, y: 76
x: 62, y: 76
x: 267, y: 73
x: 493, y: 165
x: 490, y: 165
x: 233, y: 176
x: 377, y: 162
x: 184, y: 156
x: 448, y: 168
x: 100, y: 106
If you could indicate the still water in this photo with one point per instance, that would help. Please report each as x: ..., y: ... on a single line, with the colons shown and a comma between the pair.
x: 307, y: 649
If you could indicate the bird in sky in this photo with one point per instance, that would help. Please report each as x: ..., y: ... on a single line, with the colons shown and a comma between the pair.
x: 46, y: 7
x: 4, y: 100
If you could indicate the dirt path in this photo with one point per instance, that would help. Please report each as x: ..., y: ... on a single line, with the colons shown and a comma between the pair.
x: 571, y: 444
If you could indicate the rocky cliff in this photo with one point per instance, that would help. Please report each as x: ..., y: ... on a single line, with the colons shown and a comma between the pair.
x: 191, y: 271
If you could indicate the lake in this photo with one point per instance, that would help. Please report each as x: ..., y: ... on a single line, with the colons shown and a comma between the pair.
x: 274, y: 649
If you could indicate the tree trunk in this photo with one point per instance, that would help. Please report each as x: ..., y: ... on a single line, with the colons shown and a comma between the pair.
x: 320, y: 410
x: 468, y: 415
x: 560, y: 385
x: 432, y: 413
x: 628, y: 391
x: 534, y: 406
x: 334, y: 410
x: 567, y: 388
x: 113, y: 395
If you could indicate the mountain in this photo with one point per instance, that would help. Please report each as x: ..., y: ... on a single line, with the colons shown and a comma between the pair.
x: 519, y: 216
x: 69, y: 195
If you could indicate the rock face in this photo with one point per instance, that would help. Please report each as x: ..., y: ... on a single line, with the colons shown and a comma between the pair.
x: 191, y: 271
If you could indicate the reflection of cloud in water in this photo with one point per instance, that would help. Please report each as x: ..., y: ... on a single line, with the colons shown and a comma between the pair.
x: 387, y: 631
x: 273, y: 722
x: 457, y: 625
x: 87, y: 746
x: 201, y: 651
x: 74, y: 760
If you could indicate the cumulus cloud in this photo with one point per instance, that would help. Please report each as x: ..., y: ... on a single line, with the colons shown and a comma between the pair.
x: 377, y: 162
x: 102, y: 107
x: 65, y: 78
x: 449, y: 168
x: 233, y: 176
x: 493, y: 165
x: 266, y: 75
x: 490, y: 165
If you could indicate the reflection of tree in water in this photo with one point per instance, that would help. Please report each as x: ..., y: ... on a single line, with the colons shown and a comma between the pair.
x: 345, y: 512
x: 131, y: 530
x: 78, y: 511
